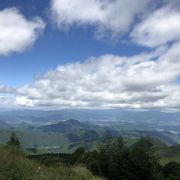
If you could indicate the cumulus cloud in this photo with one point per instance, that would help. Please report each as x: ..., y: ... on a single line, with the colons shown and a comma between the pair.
x: 141, y: 81
x: 114, y: 16
x: 160, y: 27
x: 6, y: 90
x: 153, y: 22
x: 7, y: 97
x: 7, y: 102
x: 16, y: 32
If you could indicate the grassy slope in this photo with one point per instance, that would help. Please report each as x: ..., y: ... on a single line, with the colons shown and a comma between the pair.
x: 165, y: 153
x: 15, y: 166
x: 168, y: 154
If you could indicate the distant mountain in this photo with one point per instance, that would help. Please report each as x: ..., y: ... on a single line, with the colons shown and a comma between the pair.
x: 81, y: 135
x: 51, y: 131
x: 74, y: 130
x: 65, y: 126
x: 156, y: 143
x: 4, y: 125
x: 107, y: 117
x: 158, y: 135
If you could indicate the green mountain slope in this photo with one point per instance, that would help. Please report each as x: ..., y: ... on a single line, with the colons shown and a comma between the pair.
x: 168, y: 154
x: 165, y: 153
x: 43, y: 142
x: 67, y: 136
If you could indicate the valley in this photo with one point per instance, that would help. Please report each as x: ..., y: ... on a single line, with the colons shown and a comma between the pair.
x: 66, y: 130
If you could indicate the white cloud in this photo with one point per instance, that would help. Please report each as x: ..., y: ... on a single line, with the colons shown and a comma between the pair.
x: 16, y: 32
x: 7, y: 102
x: 142, y: 81
x: 153, y: 22
x: 6, y: 90
x: 7, y: 97
x: 160, y: 27
x: 115, y: 16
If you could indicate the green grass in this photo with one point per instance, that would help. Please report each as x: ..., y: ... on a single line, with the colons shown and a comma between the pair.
x: 15, y: 166
x: 168, y: 154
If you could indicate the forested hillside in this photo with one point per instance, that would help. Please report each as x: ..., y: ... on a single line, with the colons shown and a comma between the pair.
x: 114, y: 160
x: 146, y: 159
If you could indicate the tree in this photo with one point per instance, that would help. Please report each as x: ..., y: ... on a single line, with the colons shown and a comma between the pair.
x: 77, y: 155
x: 14, y: 141
x: 172, y: 170
x: 111, y: 158
x: 143, y: 161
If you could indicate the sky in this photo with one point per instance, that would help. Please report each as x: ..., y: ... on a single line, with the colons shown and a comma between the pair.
x: 90, y: 54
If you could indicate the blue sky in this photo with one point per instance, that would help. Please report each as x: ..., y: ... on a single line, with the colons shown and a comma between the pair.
x: 54, y: 47
x: 98, y: 54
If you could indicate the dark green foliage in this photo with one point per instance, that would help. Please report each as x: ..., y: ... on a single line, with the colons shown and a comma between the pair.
x: 114, y: 161
x: 144, y: 164
x: 14, y: 141
x: 172, y: 171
